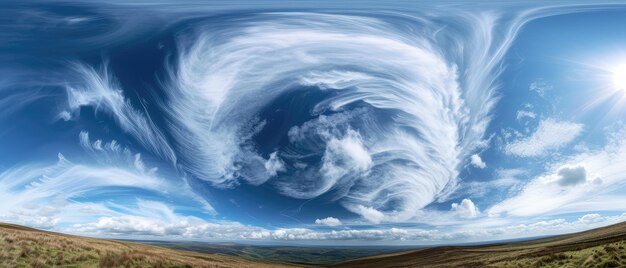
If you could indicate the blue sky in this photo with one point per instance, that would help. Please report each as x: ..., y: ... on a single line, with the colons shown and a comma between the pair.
x: 410, y: 124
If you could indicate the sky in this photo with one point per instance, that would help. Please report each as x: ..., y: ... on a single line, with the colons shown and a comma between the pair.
x: 313, y: 123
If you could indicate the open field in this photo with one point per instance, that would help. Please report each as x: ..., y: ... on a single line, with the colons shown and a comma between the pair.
x: 26, y: 247
x: 602, y: 247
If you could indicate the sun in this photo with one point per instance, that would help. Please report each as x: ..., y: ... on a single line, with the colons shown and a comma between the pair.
x: 619, y: 77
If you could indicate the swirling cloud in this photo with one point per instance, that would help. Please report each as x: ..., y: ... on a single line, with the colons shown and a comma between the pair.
x: 393, y: 124
x: 395, y: 106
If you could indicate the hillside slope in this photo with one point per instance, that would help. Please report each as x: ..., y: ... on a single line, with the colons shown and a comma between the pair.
x: 602, y: 247
x: 23, y: 247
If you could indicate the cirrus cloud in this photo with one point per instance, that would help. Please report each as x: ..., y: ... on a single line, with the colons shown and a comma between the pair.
x: 549, y: 135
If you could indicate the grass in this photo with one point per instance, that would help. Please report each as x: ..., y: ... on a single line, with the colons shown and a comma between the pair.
x: 608, y: 255
x: 602, y: 247
x: 25, y: 247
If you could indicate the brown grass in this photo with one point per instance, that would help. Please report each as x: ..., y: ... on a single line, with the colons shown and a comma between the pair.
x: 25, y: 247
x: 602, y: 247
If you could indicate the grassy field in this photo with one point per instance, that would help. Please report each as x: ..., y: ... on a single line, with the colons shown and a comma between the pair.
x: 25, y: 247
x: 602, y: 247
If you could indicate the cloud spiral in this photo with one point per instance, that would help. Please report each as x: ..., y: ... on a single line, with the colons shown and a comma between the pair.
x: 389, y: 115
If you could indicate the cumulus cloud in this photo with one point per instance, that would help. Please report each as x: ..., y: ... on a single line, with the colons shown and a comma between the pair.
x: 273, y: 165
x: 195, y: 228
x: 146, y: 223
x: 477, y: 161
x: 466, y: 209
x: 549, y: 135
x: 478, y: 233
x: 568, y: 176
x: 186, y: 227
x: 156, y: 219
x: 330, y: 221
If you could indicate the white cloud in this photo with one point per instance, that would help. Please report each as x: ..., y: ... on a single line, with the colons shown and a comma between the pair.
x: 540, y: 86
x: 198, y: 229
x: 588, y: 181
x: 560, y: 226
x: 369, y: 213
x: 591, y: 218
x: 65, y: 116
x: 48, y: 194
x: 466, y: 209
x: 156, y: 219
x: 477, y: 161
x: 521, y: 114
x: 273, y: 165
x: 391, y: 234
x: 149, y: 223
x: 345, y: 155
x: 549, y: 135
x: 330, y: 221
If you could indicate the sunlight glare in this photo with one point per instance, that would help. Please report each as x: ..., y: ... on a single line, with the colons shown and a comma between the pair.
x: 619, y: 77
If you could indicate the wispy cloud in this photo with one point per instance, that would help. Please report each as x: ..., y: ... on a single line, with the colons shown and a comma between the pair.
x: 540, y: 87
x: 522, y: 114
x: 156, y: 219
x: 99, y: 89
x: 588, y: 181
x: 401, y: 105
x: 45, y: 195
